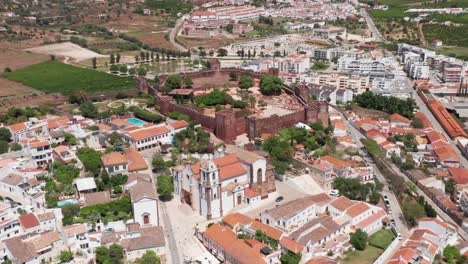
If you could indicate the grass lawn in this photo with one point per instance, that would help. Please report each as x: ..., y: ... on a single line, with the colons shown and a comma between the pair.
x: 367, y: 256
x: 57, y: 77
x: 382, y: 238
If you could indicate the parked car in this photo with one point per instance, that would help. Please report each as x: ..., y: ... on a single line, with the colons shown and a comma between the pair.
x: 279, y: 199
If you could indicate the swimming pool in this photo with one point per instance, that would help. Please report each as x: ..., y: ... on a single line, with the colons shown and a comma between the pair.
x: 65, y: 202
x: 136, y: 122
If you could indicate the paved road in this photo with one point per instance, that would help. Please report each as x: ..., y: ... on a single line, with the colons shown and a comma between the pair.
x: 370, y: 23
x: 172, y: 247
x: 396, y: 209
x: 174, y: 31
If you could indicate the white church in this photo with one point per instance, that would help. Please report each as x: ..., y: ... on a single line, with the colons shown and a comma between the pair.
x: 215, y: 187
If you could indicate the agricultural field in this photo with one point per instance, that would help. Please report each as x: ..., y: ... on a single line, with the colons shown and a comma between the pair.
x: 17, y: 59
x: 57, y: 77
x: 209, y: 43
x: 394, y: 27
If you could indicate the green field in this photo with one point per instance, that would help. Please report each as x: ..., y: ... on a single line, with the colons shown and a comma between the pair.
x: 57, y: 77
x: 367, y: 256
x: 382, y: 238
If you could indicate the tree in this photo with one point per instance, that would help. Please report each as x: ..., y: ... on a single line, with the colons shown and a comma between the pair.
x: 158, y: 163
x: 69, y: 212
x: 16, y: 147
x: 94, y: 62
x: 451, y: 254
x: 7, y: 69
x: 114, y: 68
x: 116, y: 253
x: 3, y: 146
x: 359, y: 239
x: 132, y: 72
x: 70, y: 139
x: 165, y: 186
x: 188, y: 82
x: 91, y: 159
x: 112, y: 58
x: 149, y: 257
x: 222, y: 52
x: 102, y: 255
x: 290, y: 258
x: 450, y: 186
x: 65, y: 256
x: 117, y: 59
x: 5, y: 134
x: 232, y: 76
x: 141, y: 71
x: 246, y: 81
x: 417, y: 123
x: 123, y: 68
x: 88, y: 110
x: 172, y: 82
x: 270, y: 85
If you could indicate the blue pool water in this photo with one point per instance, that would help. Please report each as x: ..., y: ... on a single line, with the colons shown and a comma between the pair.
x: 136, y: 122
x: 71, y: 201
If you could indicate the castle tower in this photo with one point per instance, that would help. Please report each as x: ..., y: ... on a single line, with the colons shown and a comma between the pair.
x: 226, y: 125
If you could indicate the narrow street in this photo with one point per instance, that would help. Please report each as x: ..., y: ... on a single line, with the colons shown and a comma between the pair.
x: 397, y: 213
x: 172, y: 247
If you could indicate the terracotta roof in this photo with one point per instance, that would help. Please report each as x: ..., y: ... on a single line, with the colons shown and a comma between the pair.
x: 220, y: 235
x: 421, y: 116
x: 13, y: 179
x: 179, y: 124
x: 76, y: 229
x: 113, y: 158
x: 29, y: 221
x: 17, y: 127
x: 246, y: 251
x: 46, y: 216
x: 315, y: 230
x: 37, y: 143
x: 45, y: 240
x: 447, y: 121
x: 289, y: 209
x: 337, y: 163
x: 58, y: 122
x: 97, y: 198
x: 460, y: 175
x: 143, y: 190
x: 342, y: 203
x: 237, y: 218
x: 22, y: 252
x: 357, y: 209
x: 291, y: 245
x: 136, y: 162
x: 268, y: 230
x: 138, y: 177
x: 229, y: 166
x: 435, y: 136
x: 370, y: 220
x: 399, y: 118
x: 148, y: 132
x: 150, y: 237
x: 446, y: 153
x: 250, y: 193
x: 435, y: 220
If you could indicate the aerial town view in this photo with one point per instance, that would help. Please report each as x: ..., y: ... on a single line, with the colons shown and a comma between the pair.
x: 234, y: 131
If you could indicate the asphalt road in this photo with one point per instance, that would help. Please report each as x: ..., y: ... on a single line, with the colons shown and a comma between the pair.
x: 174, y: 31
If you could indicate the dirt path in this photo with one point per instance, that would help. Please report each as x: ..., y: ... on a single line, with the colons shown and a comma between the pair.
x: 421, y: 34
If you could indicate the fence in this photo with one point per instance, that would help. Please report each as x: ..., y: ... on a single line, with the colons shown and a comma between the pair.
x: 387, y: 253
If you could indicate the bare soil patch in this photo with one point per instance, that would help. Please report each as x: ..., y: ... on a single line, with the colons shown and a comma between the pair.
x: 17, y: 59
x: 66, y: 49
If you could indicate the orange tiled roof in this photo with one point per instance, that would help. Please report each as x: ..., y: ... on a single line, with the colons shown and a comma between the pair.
x: 58, y: 122
x: 37, y: 143
x: 113, y: 158
x: 268, y: 230
x: 148, y: 132
x: 357, y: 209
x: 179, y: 124
x: 399, y: 118
x: 291, y: 245
x: 136, y: 162
x: 221, y: 235
x: 342, y: 203
x: 460, y: 175
x: 17, y: 127
x: 337, y: 163
x: 450, y: 125
x: 237, y: 218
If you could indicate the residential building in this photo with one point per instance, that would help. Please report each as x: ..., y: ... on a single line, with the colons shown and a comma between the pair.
x: 41, y: 152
